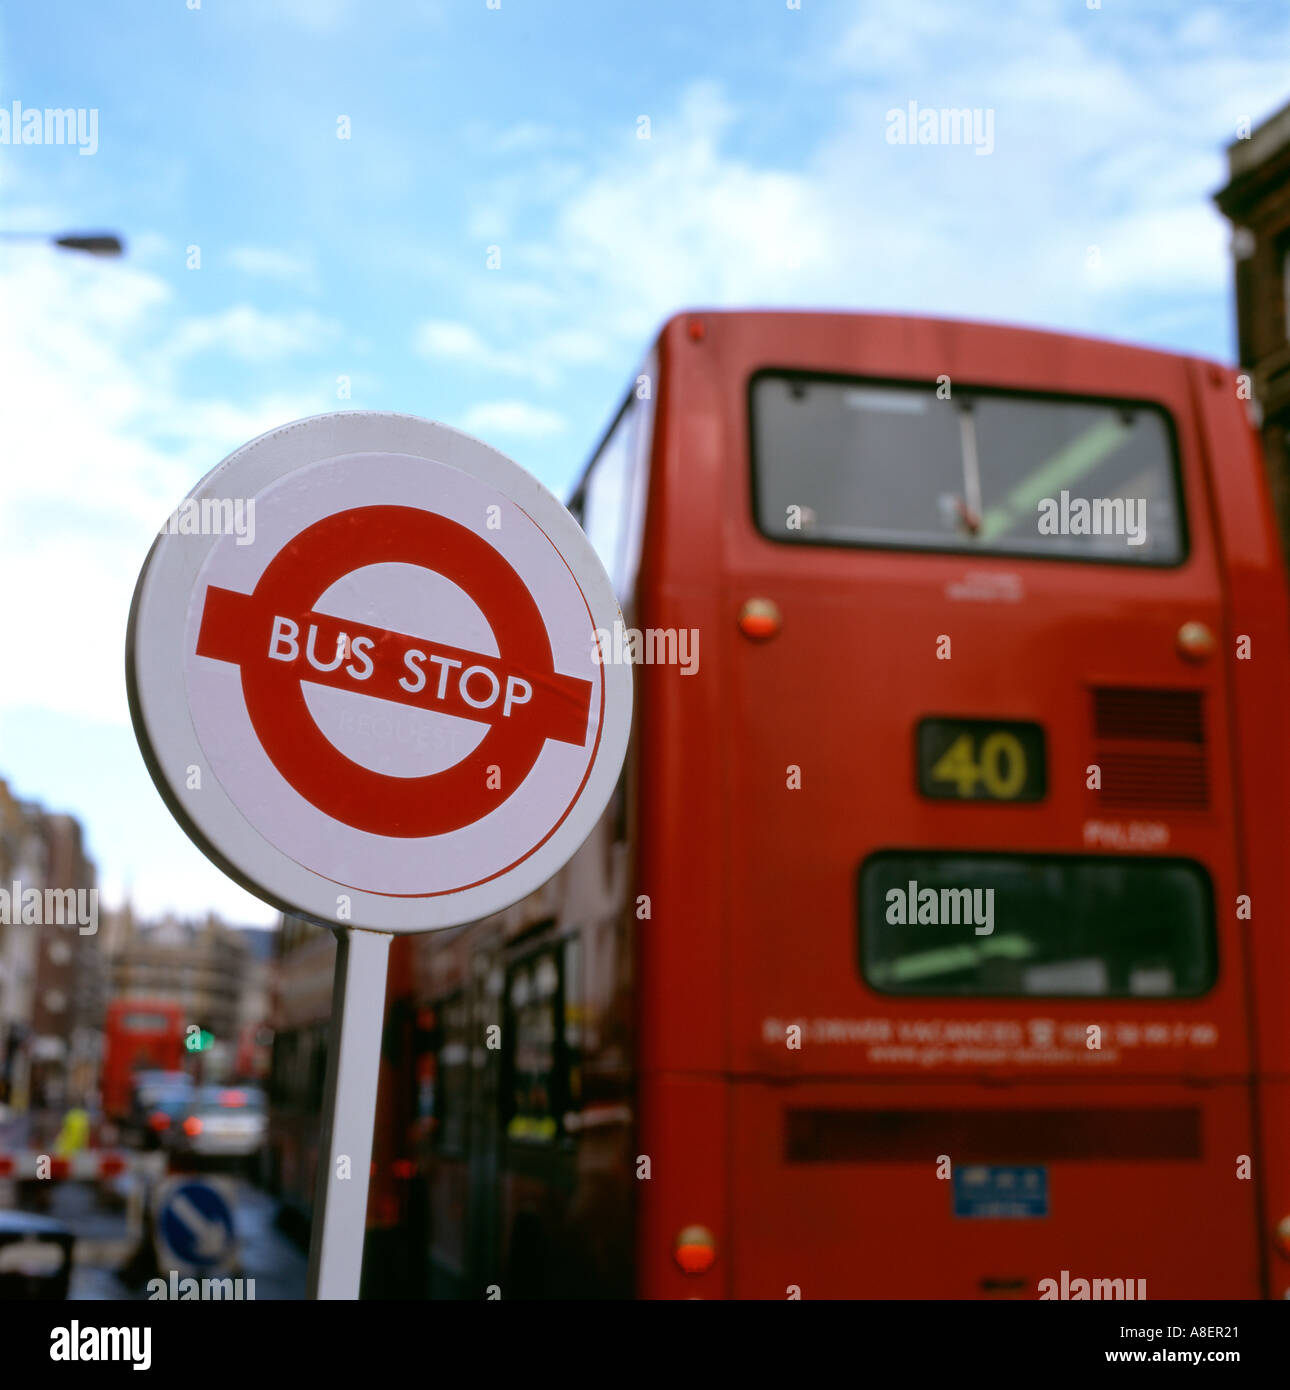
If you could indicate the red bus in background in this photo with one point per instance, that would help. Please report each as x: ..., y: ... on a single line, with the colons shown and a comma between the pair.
x: 934, y: 942
x: 138, y: 1035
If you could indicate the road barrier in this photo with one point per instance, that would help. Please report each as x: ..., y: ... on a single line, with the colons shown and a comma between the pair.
x: 87, y: 1165
x: 97, y: 1165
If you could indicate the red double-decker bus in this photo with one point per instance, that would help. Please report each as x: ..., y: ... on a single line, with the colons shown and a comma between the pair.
x: 138, y: 1035
x: 933, y: 945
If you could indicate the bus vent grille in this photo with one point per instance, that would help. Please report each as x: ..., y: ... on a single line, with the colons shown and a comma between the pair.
x: 1152, y: 749
x: 1155, y: 779
x: 1155, y: 716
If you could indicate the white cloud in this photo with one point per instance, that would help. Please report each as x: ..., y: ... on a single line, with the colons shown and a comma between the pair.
x: 321, y: 16
x: 253, y: 335
x: 575, y: 346
x: 521, y: 137
x: 447, y: 340
x: 516, y: 418
x: 1159, y: 249
x: 100, y: 443
x: 676, y: 221
x: 270, y: 263
x: 443, y: 338
x: 891, y: 35
x: 102, y: 436
x: 1099, y: 141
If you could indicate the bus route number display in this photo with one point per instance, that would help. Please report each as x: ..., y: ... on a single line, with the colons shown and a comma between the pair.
x: 980, y: 760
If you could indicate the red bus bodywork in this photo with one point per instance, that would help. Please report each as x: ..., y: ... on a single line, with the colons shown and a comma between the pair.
x: 676, y: 1034
x: 760, y: 884
x: 138, y: 1035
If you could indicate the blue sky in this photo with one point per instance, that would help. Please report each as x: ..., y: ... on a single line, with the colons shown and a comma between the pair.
x: 768, y: 179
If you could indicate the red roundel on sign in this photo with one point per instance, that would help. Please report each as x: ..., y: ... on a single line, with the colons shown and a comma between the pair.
x: 278, y: 641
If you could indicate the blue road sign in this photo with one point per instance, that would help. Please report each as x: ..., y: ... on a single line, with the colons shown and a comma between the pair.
x: 195, y: 1222
x: 1000, y: 1191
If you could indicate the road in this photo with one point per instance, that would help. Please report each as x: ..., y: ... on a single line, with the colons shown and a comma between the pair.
x: 100, y: 1217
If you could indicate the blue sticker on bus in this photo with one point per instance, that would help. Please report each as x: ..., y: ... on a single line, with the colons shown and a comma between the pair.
x: 1001, y: 1191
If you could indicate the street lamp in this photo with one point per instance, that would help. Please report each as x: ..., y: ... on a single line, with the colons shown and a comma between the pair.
x: 91, y: 243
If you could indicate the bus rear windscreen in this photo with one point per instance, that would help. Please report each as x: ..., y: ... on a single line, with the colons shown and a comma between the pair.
x: 145, y: 1023
x: 1005, y: 925
x: 850, y: 463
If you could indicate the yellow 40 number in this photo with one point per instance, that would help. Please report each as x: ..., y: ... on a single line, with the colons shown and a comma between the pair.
x: 1000, y: 766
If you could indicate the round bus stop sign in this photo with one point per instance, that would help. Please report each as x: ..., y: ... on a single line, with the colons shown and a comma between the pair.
x: 364, y: 674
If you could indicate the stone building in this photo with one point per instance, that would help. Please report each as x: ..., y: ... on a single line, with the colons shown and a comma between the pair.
x: 1256, y: 199
x: 68, y: 998
x: 52, y: 980
x: 22, y: 860
x: 218, y: 974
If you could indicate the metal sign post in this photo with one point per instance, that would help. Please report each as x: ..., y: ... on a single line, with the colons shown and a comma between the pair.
x: 349, y: 1111
x: 378, y: 565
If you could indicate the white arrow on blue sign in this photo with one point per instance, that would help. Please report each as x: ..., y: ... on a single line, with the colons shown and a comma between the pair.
x: 195, y: 1225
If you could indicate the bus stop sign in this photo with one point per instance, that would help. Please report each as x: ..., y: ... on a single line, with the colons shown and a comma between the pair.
x: 365, y: 678
x: 364, y: 669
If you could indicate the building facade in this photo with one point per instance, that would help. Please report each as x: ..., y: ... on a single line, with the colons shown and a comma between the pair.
x: 52, y: 977
x: 220, y: 976
x: 1256, y: 199
x: 22, y: 860
x: 70, y: 987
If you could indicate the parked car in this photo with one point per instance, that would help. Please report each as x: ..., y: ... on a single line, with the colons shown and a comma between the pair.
x: 158, y: 1103
x: 35, y: 1256
x: 223, y: 1124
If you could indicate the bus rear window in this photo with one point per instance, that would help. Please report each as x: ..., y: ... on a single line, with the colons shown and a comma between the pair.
x: 852, y: 463
x: 998, y: 925
x: 144, y: 1023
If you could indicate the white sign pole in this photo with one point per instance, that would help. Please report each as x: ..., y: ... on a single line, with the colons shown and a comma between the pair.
x: 348, y: 1115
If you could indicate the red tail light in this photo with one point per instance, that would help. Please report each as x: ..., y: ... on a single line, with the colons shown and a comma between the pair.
x: 232, y: 1098
x: 1281, y: 1237
x: 192, y: 1126
x: 111, y: 1167
x: 695, y: 1250
x: 158, y: 1120
x: 759, y: 619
